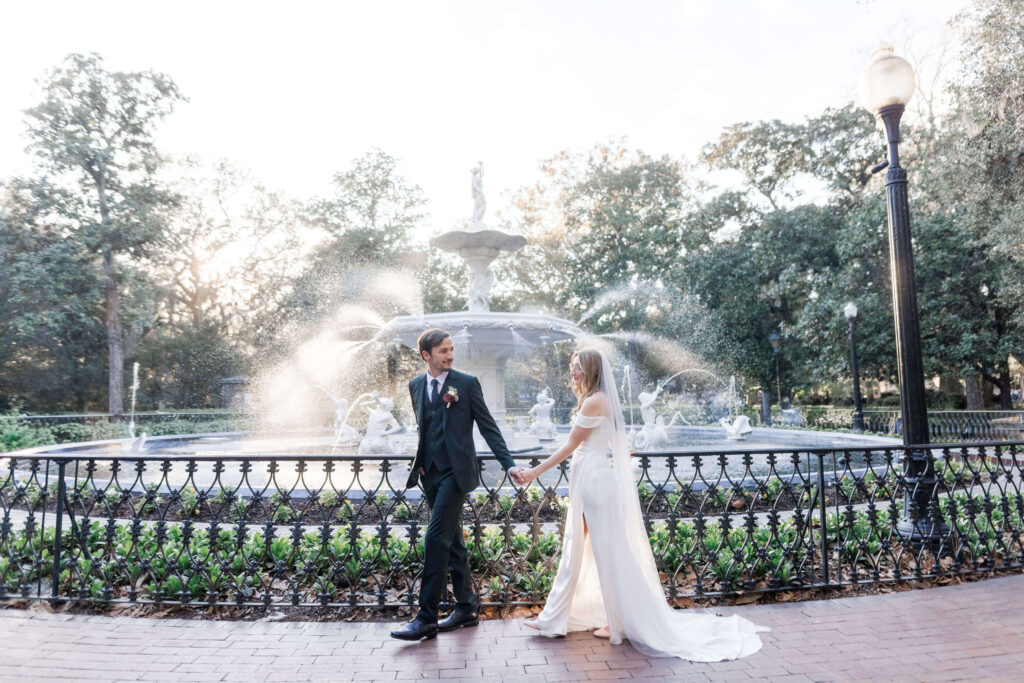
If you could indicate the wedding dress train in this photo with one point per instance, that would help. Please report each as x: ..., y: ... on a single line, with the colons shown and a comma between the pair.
x: 608, y: 576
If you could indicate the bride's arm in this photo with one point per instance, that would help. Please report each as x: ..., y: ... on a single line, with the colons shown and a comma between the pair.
x: 591, y: 408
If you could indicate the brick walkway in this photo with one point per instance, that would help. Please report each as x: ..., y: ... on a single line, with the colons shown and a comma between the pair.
x: 972, y: 631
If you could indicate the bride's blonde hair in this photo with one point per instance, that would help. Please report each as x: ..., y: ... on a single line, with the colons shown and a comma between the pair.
x: 590, y: 363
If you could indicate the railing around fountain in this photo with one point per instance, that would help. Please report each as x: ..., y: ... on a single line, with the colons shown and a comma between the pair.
x: 945, y: 426
x: 341, y: 531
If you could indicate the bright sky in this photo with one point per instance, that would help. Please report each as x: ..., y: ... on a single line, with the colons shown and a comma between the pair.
x: 294, y: 91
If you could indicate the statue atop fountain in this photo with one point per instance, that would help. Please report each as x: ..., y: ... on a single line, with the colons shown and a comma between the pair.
x: 479, y: 245
x: 484, y: 340
x: 380, y: 426
x: 543, y: 427
x: 479, y: 203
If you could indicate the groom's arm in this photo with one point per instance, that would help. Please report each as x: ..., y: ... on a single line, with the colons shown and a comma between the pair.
x: 488, y: 427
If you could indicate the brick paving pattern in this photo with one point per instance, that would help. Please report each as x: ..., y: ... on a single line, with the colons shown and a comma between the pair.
x: 973, y: 631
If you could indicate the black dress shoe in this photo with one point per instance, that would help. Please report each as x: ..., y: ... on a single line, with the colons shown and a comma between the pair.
x: 417, y: 629
x: 458, y: 619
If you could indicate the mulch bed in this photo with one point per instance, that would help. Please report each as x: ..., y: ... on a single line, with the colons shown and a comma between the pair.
x: 400, y: 614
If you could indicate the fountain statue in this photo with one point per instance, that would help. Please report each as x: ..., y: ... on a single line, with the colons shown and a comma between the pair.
x: 134, y: 445
x: 651, y: 436
x: 479, y: 203
x: 484, y: 339
x: 653, y: 432
x: 344, y: 433
x: 543, y: 427
x: 380, y: 426
x: 647, y: 400
x: 738, y: 430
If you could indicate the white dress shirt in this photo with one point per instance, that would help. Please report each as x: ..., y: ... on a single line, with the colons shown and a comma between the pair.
x: 440, y: 384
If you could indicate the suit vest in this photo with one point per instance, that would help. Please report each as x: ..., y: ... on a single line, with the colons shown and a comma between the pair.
x: 435, y: 452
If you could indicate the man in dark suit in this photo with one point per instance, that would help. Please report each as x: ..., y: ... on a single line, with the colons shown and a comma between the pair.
x: 447, y: 403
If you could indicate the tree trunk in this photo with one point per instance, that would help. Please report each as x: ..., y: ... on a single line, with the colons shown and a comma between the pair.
x: 766, y: 405
x: 115, y: 344
x: 1004, y: 383
x: 972, y: 388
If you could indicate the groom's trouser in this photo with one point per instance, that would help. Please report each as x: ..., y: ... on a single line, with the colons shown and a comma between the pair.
x: 444, y: 550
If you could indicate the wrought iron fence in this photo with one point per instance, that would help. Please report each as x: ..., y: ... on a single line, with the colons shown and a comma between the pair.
x: 945, y: 426
x: 291, y: 530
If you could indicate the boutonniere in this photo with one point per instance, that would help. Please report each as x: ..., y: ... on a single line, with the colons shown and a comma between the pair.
x: 451, y: 396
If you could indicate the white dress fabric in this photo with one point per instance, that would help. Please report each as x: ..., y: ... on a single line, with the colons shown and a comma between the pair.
x: 608, y: 576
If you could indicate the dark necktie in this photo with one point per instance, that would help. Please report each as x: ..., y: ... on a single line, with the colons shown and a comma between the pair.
x: 433, y: 390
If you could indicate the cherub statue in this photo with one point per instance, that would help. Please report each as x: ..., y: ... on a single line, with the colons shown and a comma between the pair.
x: 343, y: 432
x: 740, y: 428
x: 543, y: 428
x: 380, y: 425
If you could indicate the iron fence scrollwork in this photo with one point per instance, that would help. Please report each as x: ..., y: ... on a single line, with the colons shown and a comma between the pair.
x: 341, y: 531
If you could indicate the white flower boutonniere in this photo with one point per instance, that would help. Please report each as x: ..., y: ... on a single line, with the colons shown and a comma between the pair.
x: 451, y: 396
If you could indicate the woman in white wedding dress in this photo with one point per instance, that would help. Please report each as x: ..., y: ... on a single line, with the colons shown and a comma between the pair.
x: 607, y: 578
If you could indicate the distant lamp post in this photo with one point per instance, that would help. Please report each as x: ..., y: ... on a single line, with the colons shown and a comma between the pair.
x: 850, y: 311
x: 886, y: 87
x: 774, y: 341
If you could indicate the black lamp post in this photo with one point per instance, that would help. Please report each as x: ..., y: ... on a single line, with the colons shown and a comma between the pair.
x: 887, y: 85
x: 774, y: 341
x: 850, y: 311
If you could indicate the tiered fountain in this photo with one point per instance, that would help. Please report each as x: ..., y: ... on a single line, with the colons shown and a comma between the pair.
x: 484, y: 339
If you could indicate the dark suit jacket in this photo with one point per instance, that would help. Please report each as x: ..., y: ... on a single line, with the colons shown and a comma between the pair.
x: 457, y: 425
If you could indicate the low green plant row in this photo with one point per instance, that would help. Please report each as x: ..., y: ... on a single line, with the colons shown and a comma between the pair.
x: 180, y: 562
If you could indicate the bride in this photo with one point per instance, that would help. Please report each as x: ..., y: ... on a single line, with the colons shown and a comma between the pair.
x: 607, y: 577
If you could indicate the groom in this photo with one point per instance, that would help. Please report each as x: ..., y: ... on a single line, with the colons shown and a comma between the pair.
x: 447, y: 402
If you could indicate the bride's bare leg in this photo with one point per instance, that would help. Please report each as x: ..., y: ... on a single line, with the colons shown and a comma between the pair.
x: 602, y: 632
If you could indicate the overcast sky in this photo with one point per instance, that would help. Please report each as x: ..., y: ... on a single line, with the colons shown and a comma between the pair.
x: 294, y: 91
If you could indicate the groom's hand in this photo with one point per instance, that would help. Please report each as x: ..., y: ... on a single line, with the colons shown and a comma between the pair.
x: 516, y: 475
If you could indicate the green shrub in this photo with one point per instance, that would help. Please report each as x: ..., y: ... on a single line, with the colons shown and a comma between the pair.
x: 17, y: 434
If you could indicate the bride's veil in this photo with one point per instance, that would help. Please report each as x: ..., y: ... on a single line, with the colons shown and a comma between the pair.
x: 627, y: 499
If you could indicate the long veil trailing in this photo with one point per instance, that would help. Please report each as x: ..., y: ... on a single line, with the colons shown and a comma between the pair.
x: 634, y: 597
x: 627, y: 498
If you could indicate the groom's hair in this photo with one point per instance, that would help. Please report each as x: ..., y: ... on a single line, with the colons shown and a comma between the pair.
x: 431, y: 338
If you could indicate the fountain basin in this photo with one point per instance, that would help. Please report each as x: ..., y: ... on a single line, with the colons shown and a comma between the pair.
x: 484, y: 341
x: 303, y: 461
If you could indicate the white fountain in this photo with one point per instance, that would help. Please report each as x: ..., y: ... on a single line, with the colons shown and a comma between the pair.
x: 484, y: 339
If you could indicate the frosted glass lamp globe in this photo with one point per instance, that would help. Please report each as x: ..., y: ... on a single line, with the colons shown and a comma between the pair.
x: 887, y: 80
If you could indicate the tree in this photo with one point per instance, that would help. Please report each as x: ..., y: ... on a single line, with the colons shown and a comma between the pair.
x: 94, y: 129
x: 771, y: 263
x: 968, y: 187
x: 364, y: 261
x: 598, y: 222
x: 987, y: 167
x: 51, y: 321
x: 228, y: 246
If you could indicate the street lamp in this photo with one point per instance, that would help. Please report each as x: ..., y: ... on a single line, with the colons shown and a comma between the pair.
x: 850, y: 311
x: 886, y: 87
x: 774, y: 341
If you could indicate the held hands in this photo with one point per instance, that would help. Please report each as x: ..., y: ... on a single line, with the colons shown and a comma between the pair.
x: 521, y: 476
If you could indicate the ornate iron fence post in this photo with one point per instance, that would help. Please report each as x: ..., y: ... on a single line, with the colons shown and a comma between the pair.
x: 824, y: 518
x: 58, y: 532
